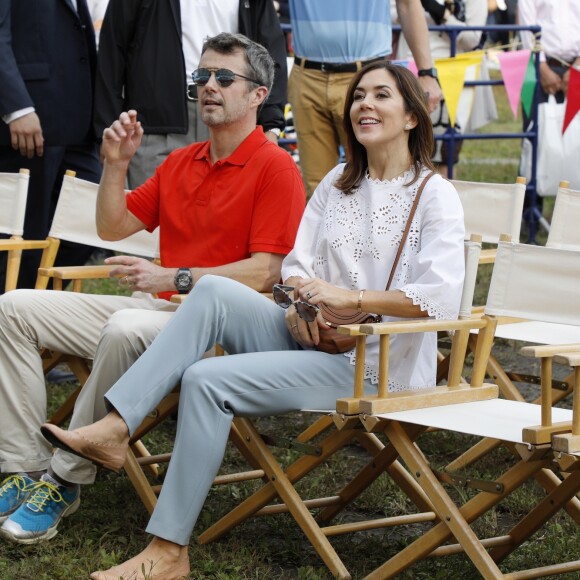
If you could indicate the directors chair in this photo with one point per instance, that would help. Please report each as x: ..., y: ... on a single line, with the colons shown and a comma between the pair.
x: 529, y: 282
x: 13, y: 196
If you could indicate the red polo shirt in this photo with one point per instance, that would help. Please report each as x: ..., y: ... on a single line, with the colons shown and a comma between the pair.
x: 210, y: 215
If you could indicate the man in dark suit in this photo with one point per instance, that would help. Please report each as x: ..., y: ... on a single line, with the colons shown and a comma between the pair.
x: 47, y: 66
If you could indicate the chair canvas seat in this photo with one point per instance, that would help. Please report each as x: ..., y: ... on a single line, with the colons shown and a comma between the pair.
x: 497, y: 418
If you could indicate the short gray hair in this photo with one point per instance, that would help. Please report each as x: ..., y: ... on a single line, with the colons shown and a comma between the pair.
x: 260, y: 64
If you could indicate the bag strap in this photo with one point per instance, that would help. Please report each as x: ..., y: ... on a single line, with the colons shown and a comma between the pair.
x: 408, y: 226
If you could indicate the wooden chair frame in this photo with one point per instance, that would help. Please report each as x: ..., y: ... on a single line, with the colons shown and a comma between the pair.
x: 562, y: 235
x: 433, y: 502
x: 13, y: 199
x: 73, y: 222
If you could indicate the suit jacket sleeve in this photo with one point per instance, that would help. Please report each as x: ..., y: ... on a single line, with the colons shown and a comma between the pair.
x: 264, y: 28
x: 116, y: 33
x: 13, y: 93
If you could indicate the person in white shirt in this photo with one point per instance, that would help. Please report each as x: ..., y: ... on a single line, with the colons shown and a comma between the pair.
x: 343, y: 255
x: 560, y: 50
x: 560, y: 41
x: 97, y: 8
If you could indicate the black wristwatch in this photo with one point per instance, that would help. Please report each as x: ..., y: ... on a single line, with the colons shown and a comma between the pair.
x: 183, y: 280
x: 427, y: 72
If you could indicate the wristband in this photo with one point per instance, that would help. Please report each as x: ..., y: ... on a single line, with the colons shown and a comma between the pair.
x: 359, y: 303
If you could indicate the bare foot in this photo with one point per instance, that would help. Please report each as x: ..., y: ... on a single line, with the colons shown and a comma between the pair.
x: 160, y: 560
x: 111, y: 429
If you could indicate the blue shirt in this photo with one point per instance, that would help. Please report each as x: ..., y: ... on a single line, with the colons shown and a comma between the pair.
x: 341, y: 30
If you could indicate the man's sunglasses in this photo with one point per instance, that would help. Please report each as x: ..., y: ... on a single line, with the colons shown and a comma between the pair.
x: 283, y: 298
x: 223, y: 76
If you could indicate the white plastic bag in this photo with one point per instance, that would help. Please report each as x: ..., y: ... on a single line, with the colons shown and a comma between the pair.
x: 558, y: 155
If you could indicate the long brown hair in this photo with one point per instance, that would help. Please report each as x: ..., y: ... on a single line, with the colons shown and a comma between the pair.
x: 420, y: 137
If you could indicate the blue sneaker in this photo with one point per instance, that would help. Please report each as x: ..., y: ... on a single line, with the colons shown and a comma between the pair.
x: 13, y: 491
x: 38, y: 516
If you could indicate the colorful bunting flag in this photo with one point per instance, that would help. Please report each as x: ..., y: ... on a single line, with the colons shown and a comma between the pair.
x: 513, y: 66
x: 573, y: 98
x: 529, y: 86
x: 451, y: 72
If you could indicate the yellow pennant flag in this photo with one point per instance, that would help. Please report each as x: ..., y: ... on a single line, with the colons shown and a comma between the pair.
x: 451, y: 72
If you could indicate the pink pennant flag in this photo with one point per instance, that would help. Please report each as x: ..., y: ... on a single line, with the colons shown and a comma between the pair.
x: 412, y: 67
x: 513, y: 66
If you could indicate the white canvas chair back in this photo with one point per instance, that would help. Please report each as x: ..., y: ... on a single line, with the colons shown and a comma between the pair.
x: 492, y: 209
x: 535, y: 283
x: 74, y: 221
x: 565, y: 228
x: 13, y: 193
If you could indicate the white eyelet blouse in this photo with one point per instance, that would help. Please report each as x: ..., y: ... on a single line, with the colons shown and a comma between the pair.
x: 351, y: 240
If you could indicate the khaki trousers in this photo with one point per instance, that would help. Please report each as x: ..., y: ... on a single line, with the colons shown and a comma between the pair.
x: 112, y: 330
x: 317, y: 100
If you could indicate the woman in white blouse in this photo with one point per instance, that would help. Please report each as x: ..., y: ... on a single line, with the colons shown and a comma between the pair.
x: 347, y: 242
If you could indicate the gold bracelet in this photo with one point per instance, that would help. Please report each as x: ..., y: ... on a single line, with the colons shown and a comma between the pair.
x: 359, y: 304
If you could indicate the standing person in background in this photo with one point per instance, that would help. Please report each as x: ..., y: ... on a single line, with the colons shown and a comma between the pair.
x: 47, y: 65
x: 560, y: 50
x: 333, y: 39
x: 454, y: 13
x: 560, y: 22
x: 147, y: 52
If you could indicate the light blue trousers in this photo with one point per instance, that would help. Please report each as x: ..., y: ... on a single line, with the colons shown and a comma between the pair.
x: 266, y: 373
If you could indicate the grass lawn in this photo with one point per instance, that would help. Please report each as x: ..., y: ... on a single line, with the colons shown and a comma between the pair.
x: 109, y: 527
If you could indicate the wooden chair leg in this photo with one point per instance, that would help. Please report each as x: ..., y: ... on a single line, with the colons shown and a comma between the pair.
x: 474, y: 508
x: 539, y: 515
x: 293, y: 501
x: 331, y: 444
x: 140, y: 482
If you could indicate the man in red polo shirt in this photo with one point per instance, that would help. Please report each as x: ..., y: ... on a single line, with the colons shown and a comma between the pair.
x: 228, y: 206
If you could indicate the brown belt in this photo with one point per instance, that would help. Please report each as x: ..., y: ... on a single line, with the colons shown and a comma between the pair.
x: 338, y: 67
x: 550, y: 61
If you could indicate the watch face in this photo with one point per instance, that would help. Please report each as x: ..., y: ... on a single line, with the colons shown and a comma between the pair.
x: 183, y: 280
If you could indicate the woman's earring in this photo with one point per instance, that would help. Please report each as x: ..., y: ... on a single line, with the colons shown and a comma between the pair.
x: 407, y: 126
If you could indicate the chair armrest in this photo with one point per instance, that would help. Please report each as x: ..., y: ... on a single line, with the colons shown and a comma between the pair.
x: 572, y: 359
x: 544, y: 351
x: 421, y: 325
x: 487, y: 256
x: 352, y: 329
x: 77, y: 272
x: 15, y: 244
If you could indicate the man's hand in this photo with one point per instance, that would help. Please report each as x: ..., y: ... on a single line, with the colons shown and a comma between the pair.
x: 122, y: 139
x: 26, y: 135
x: 432, y: 90
x: 141, y: 274
x: 550, y: 81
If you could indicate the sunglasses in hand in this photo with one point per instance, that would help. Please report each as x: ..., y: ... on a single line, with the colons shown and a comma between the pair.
x: 224, y: 77
x: 283, y: 296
